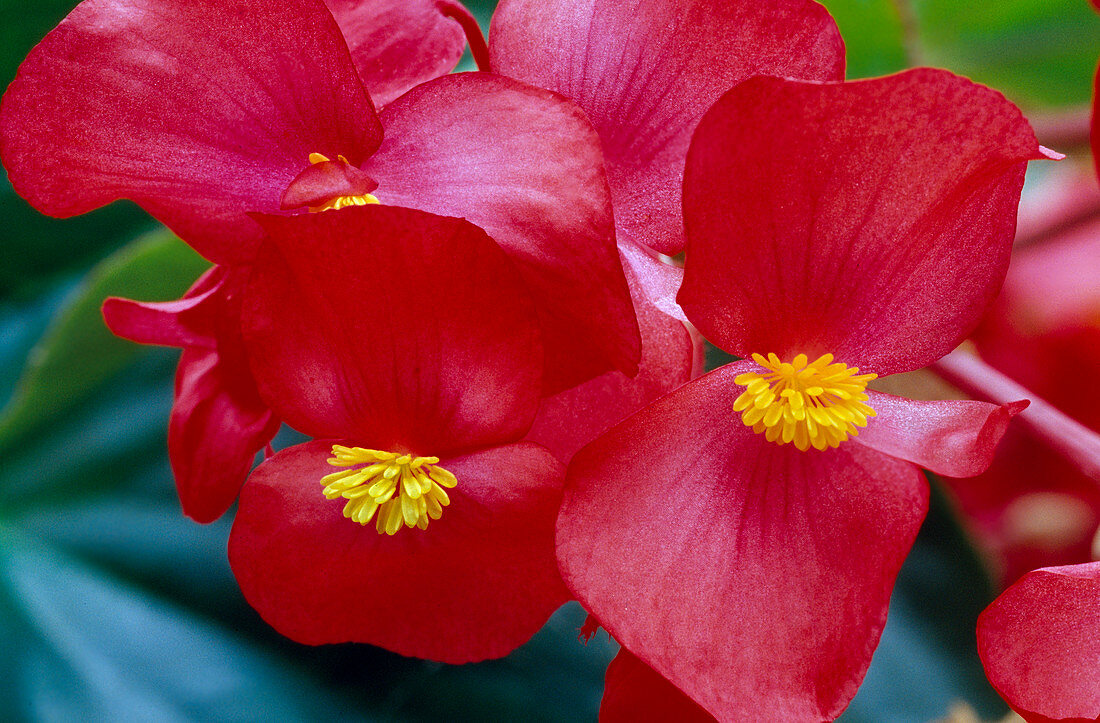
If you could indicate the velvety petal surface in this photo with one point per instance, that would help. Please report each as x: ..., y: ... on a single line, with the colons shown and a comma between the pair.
x: 672, y: 353
x: 872, y: 220
x: 635, y: 693
x: 525, y: 165
x: 645, y: 71
x: 217, y: 426
x: 199, y: 110
x: 393, y: 326
x: 476, y: 584
x: 397, y: 44
x: 950, y: 437
x: 1040, y: 644
x: 753, y: 576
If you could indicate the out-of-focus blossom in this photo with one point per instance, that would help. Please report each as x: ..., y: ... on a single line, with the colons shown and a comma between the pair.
x: 645, y: 72
x: 366, y: 330
x: 1040, y: 646
x: 204, y: 111
x: 866, y: 225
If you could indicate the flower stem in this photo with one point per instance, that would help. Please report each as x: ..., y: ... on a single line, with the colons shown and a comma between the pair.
x: 1066, y: 436
x: 474, y: 36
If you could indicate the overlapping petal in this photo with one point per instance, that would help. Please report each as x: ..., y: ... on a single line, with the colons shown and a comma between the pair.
x: 952, y: 437
x: 371, y: 322
x: 218, y: 424
x: 397, y: 44
x: 645, y: 71
x: 1040, y: 644
x: 634, y: 692
x: 476, y: 584
x: 753, y: 576
x: 672, y: 354
x: 525, y: 165
x: 199, y: 110
x: 872, y: 219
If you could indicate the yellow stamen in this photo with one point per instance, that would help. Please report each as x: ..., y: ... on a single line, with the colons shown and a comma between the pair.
x: 335, y: 204
x: 395, y: 489
x: 815, y: 404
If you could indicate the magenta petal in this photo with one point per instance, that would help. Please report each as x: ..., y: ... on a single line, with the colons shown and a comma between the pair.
x: 393, y: 326
x: 199, y: 110
x: 1040, y: 643
x: 218, y: 424
x: 953, y: 438
x: 753, y: 576
x: 324, y: 181
x: 672, y: 353
x: 635, y: 693
x: 645, y: 72
x: 525, y: 165
x: 476, y: 584
x: 192, y: 321
x: 397, y: 44
x: 872, y: 219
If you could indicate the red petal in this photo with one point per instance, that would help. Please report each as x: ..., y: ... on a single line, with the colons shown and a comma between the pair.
x: 392, y: 326
x: 476, y: 584
x: 671, y: 355
x: 871, y: 219
x: 198, y: 110
x: 324, y: 181
x: 753, y: 576
x: 187, y: 322
x: 646, y: 72
x: 218, y: 424
x: 397, y: 44
x: 634, y: 692
x: 1040, y: 643
x: 953, y: 438
x: 526, y: 166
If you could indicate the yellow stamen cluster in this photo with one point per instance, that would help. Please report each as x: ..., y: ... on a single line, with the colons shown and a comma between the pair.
x: 400, y: 488
x: 815, y: 404
x: 335, y: 204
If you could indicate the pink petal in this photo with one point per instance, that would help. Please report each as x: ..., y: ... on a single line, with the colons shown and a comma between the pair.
x: 953, y: 438
x: 753, y: 576
x: 645, y: 72
x: 672, y: 354
x: 324, y: 181
x: 871, y: 219
x: 218, y: 424
x: 1040, y: 643
x: 393, y: 326
x: 634, y: 692
x: 475, y: 584
x: 525, y: 165
x: 199, y: 110
x: 397, y: 44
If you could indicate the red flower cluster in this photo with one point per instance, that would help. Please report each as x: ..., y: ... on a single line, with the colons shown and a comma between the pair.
x: 454, y: 294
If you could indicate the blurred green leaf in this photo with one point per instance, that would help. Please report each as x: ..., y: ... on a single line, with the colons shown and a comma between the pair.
x: 872, y: 36
x: 1037, y: 53
x: 78, y: 353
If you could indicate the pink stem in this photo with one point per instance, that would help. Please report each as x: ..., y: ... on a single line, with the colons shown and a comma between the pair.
x: 1071, y: 439
x: 476, y: 39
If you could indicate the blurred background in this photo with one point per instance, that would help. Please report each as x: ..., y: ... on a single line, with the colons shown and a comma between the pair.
x: 115, y: 606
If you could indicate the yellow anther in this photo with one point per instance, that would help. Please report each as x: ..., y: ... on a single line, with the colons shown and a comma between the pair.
x: 335, y: 204
x: 815, y: 404
x: 395, y: 490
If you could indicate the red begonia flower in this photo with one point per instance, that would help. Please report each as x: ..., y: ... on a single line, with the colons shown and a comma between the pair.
x: 645, y: 72
x: 1040, y: 644
x: 218, y: 422
x: 750, y: 561
x: 672, y: 353
x: 203, y: 111
x: 634, y: 692
x: 365, y: 328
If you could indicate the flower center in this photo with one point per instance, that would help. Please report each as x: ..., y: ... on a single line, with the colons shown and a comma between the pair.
x: 337, y: 202
x: 400, y: 488
x: 815, y: 404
